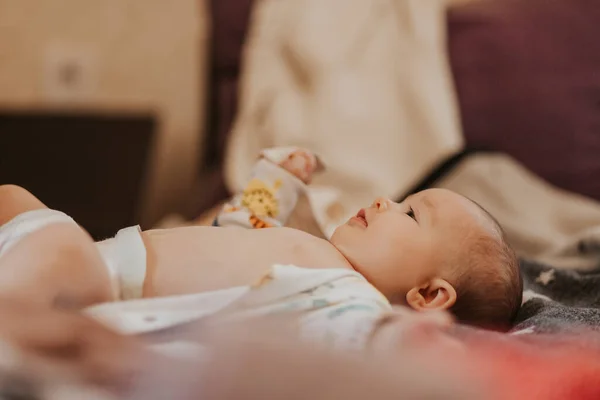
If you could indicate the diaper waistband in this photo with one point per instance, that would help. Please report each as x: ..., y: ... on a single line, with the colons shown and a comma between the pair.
x: 125, y: 258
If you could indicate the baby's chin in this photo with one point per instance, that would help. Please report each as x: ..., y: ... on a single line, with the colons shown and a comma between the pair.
x: 349, y: 226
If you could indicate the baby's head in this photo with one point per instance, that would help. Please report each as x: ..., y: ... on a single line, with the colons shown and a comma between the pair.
x: 436, y: 250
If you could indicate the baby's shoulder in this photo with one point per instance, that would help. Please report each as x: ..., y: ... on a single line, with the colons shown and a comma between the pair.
x: 292, y: 237
x: 295, y: 234
x: 324, y: 254
x: 303, y: 249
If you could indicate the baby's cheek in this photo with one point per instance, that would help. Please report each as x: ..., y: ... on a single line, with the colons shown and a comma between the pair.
x: 390, y: 244
x: 377, y: 250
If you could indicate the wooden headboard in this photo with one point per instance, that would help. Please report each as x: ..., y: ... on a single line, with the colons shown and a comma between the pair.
x: 90, y: 165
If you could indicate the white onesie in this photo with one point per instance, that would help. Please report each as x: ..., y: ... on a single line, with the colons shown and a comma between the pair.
x: 336, y: 307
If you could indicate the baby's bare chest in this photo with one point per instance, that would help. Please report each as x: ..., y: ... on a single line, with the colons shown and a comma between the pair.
x: 290, y: 246
x: 197, y: 259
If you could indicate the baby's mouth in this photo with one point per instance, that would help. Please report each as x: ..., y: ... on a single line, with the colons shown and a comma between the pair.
x: 361, y: 217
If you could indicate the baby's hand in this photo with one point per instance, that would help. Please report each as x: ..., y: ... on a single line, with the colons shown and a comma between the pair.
x: 299, y: 162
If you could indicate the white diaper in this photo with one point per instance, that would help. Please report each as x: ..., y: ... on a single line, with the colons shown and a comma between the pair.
x: 124, y: 255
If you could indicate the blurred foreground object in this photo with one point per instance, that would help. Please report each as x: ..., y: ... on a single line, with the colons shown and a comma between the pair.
x: 48, y: 354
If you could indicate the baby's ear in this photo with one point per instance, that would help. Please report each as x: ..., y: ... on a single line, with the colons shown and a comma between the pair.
x: 437, y: 294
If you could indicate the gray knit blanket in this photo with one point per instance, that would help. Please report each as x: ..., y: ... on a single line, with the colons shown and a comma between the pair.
x: 558, y: 300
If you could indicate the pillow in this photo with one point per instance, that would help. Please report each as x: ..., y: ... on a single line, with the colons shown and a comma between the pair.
x: 527, y: 74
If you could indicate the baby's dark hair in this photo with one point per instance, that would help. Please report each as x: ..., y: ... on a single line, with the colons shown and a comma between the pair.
x: 488, y: 283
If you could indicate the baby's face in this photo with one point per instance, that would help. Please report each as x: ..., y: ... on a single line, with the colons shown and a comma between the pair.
x: 398, y: 246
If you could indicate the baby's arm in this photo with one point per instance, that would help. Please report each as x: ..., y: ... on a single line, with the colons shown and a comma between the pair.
x: 405, y: 329
x: 361, y: 324
x: 276, y: 182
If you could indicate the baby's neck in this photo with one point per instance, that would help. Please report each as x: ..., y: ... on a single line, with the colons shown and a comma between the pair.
x: 347, y: 262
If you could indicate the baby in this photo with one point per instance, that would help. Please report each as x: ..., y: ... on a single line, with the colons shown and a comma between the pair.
x: 436, y: 250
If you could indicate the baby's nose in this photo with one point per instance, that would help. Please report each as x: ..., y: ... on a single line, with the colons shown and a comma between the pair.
x: 380, y: 203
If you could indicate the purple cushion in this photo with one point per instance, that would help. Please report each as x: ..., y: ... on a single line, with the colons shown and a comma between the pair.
x: 230, y: 19
x: 527, y: 73
x: 229, y: 22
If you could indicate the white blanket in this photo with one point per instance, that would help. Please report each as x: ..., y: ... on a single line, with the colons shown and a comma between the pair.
x: 364, y: 84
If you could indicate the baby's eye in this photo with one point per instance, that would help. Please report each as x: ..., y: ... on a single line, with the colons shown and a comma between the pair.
x: 411, y: 213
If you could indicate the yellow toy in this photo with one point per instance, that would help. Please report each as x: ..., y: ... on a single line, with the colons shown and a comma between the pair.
x: 260, y: 199
x: 279, y: 177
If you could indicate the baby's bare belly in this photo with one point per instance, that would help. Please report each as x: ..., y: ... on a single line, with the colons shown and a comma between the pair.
x: 198, y: 259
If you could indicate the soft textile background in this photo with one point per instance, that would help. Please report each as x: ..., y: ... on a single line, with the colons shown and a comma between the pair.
x: 372, y: 92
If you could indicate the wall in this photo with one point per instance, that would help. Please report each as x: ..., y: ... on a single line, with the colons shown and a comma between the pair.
x: 130, y: 55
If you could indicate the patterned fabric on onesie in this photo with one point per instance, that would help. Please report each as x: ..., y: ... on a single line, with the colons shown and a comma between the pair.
x: 276, y: 181
x: 337, y: 307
